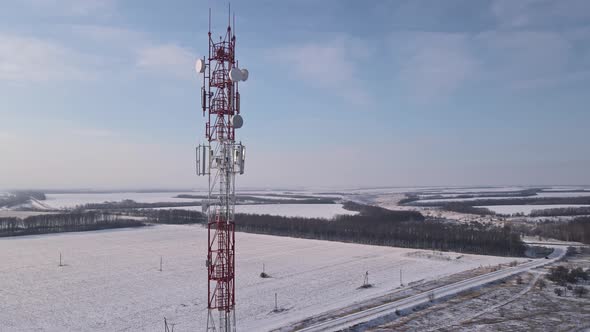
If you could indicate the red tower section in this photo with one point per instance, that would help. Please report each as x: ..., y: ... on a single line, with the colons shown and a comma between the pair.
x: 221, y: 159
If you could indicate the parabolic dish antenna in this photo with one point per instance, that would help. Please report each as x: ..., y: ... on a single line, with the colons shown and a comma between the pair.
x: 237, y: 121
x: 244, y: 74
x: 200, y: 66
x: 235, y: 74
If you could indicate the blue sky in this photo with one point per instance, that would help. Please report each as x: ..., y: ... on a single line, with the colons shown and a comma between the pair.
x: 103, y: 94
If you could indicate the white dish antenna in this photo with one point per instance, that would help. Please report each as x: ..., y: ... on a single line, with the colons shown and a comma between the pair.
x: 235, y: 74
x: 200, y: 66
x: 244, y: 74
x: 237, y: 121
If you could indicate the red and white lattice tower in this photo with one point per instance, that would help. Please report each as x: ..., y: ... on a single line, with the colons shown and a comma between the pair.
x: 221, y: 158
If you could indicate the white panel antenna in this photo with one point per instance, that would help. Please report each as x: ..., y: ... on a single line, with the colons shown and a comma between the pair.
x: 200, y: 66
x: 203, y: 159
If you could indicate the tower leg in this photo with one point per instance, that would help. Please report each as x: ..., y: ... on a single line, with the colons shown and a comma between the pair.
x: 210, y: 322
x: 226, y: 320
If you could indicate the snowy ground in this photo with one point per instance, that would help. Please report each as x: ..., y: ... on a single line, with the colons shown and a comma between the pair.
x: 384, y: 197
x: 526, y: 209
x: 6, y: 213
x: 389, y: 199
x: 327, y: 211
x: 453, y: 198
x: 296, y: 210
x: 70, y: 200
x: 517, y: 304
x: 111, y: 281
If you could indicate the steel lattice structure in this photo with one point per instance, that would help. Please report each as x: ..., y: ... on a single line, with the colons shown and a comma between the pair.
x: 221, y: 159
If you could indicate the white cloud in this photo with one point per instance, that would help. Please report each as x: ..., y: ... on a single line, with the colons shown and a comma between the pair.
x: 433, y: 65
x: 521, y: 57
x: 534, y: 44
x: 91, y: 161
x: 94, y: 132
x: 73, y: 7
x: 168, y: 58
x: 537, y: 13
x: 137, y: 48
x: 31, y: 59
x: 331, y: 65
x: 121, y: 38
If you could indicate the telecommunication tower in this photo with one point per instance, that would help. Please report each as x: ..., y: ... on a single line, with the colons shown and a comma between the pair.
x: 221, y: 158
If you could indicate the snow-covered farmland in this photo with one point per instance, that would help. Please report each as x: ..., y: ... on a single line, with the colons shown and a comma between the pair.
x: 111, y: 280
x: 455, y: 199
x: 563, y: 194
x: 70, y: 200
x: 296, y: 210
x: 526, y: 209
x: 541, y: 194
x: 471, y: 190
x: 566, y: 188
x: 7, y: 213
x: 327, y: 211
x: 278, y: 198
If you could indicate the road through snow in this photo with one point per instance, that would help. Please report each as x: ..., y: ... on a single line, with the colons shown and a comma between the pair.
x: 422, y: 298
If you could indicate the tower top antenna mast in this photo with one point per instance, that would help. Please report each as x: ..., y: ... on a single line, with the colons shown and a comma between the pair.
x: 221, y: 158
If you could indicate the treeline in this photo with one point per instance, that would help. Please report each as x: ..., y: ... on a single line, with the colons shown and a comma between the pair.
x: 413, y: 197
x: 376, y: 211
x: 391, y: 230
x: 409, y: 199
x: 131, y: 204
x: 577, y: 230
x: 571, y: 211
x: 373, y: 225
x: 65, y: 222
x: 20, y: 197
x: 462, y: 207
x: 169, y: 216
x: 281, y: 199
x: 499, y: 193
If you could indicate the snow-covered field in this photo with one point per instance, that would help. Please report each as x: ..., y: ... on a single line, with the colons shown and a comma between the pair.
x: 296, y: 210
x: 471, y: 190
x: 565, y: 188
x: 327, y: 211
x: 111, y: 281
x: 70, y: 200
x: 558, y: 194
x: 526, y: 209
x: 453, y: 198
x: 6, y: 213
x: 279, y: 198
